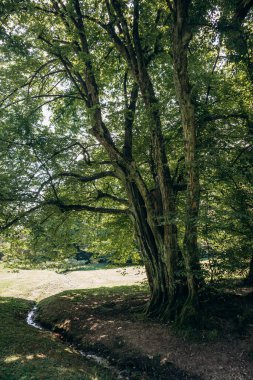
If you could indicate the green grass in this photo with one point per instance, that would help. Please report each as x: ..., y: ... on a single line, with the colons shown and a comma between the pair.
x: 58, y: 266
x: 67, y: 265
x: 78, y: 266
x: 105, y: 294
x: 28, y: 353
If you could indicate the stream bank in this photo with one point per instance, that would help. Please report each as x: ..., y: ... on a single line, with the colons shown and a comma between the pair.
x: 98, y: 360
x: 108, y: 322
x: 100, y: 328
x: 30, y: 353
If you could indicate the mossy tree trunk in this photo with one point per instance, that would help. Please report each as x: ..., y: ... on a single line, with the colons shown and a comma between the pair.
x: 162, y: 261
x: 180, y: 42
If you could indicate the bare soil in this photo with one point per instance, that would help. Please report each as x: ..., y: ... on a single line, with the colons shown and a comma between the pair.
x: 111, y: 325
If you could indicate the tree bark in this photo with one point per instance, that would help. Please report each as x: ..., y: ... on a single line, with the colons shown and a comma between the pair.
x: 180, y: 41
x: 165, y: 285
x: 249, y: 279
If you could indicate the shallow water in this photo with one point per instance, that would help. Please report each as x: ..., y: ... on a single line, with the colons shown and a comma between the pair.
x: 30, y: 318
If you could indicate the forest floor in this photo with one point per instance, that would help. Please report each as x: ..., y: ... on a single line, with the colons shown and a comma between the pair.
x: 108, y: 321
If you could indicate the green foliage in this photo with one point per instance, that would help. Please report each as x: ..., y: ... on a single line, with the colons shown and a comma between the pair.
x: 45, y: 130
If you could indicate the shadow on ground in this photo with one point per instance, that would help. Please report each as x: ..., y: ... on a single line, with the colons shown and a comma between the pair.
x: 28, y: 353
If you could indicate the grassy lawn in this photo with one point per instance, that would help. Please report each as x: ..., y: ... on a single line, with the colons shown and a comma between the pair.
x: 28, y: 353
x: 38, y: 284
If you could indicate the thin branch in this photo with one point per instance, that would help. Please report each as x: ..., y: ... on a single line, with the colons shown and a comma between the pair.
x: 241, y: 153
x: 79, y: 177
x: 119, y: 13
x: 37, y: 71
x: 101, y: 194
x: 43, y: 164
x: 125, y: 89
x: 225, y: 117
x: 68, y: 68
x: 27, y: 83
x: 170, y: 6
x: 54, y: 96
x: 213, y: 69
x: 45, y: 10
x: 137, y: 41
x: 243, y: 8
x: 21, y: 216
x: 129, y: 119
x: 77, y: 207
x: 176, y: 173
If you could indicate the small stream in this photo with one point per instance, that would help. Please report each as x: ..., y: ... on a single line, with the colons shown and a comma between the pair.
x: 30, y: 320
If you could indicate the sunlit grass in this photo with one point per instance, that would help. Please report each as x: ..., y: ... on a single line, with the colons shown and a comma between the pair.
x: 27, y: 353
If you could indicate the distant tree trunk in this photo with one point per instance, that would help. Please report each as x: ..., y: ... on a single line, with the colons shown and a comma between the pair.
x: 180, y: 41
x: 239, y: 39
x: 249, y: 279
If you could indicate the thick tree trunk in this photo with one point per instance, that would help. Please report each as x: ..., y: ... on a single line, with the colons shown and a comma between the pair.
x: 166, y: 287
x: 181, y: 39
x: 164, y: 302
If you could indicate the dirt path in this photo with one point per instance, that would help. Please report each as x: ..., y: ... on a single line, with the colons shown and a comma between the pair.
x: 39, y: 284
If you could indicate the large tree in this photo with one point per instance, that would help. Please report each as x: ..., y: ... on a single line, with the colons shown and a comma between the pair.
x: 129, y: 86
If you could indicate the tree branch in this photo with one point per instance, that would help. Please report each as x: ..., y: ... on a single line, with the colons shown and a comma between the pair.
x: 243, y: 8
x: 170, y: 6
x: 65, y: 208
x: 225, y: 117
x: 212, y: 72
x: 77, y: 207
x: 101, y: 194
x: 89, y: 178
x: 130, y: 108
x: 18, y: 218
